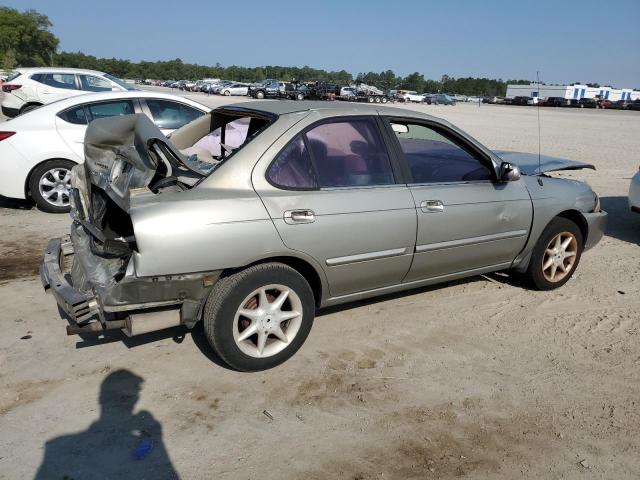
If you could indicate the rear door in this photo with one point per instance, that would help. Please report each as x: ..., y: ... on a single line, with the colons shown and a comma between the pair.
x: 467, y: 221
x: 56, y: 86
x: 72, y: 122
x: 332, y: 194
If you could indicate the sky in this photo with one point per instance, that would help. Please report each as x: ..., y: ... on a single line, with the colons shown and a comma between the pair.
x: 565, y: 40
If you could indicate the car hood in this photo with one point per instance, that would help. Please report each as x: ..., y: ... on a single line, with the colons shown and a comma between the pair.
x: 530, y: 164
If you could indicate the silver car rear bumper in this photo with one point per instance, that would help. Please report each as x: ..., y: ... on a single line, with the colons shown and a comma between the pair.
x: 79, y: 306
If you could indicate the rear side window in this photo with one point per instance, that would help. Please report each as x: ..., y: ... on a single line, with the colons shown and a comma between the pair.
x: 171, y: 115
x: 292, y: 168
x: 349, y: 153
x: 91, y: 83
x: 56, y: 80
x: 343, y: 153
x: 110, y: 109
x: 76, y: 115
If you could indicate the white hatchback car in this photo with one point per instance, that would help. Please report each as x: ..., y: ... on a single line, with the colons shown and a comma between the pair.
x: 38, y: 149
x: 29, y: 88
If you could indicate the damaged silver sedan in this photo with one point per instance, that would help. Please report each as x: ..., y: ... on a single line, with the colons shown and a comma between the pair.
x: 256, y: 215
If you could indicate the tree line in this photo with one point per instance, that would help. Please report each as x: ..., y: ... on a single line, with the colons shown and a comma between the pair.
x: 26, y: 41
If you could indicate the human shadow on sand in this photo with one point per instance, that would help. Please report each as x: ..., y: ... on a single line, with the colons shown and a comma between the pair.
x: 120, y: 444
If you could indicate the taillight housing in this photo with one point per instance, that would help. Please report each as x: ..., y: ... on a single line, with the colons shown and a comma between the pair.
x: 5, y: 135
x: 10, y: 88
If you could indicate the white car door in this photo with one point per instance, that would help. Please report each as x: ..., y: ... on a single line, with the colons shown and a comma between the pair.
x: 71, y: 123
x: 56, y: 86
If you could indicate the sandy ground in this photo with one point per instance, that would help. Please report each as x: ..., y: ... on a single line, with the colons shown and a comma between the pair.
x: 478, y: 379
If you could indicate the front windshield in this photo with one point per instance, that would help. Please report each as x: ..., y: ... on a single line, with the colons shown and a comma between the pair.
x: 120, y: 82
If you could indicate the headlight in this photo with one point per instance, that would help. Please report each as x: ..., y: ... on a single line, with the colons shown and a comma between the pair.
x: 596, y: 207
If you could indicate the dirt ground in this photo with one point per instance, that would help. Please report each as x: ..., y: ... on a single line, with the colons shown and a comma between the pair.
x: 476, y: 379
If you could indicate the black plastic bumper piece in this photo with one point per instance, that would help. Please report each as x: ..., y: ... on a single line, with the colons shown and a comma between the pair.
x: 79, y: 306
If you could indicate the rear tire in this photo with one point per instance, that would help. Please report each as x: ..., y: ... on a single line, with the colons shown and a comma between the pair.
x: 236, y: 307
x: 49, y: 185
x: 227, y: 93
x: 300, y: 96
x: 561, y: 262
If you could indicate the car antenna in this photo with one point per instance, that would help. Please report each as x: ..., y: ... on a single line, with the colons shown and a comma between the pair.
x: 538, y: 112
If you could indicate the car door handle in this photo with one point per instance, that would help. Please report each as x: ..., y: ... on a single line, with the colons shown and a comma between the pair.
x: 431, y: 206
x: 299, y: 216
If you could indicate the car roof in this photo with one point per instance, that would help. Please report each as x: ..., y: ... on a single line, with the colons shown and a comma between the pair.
x: 54, y: 107
x: 57, y: 70
x: 283, y: 107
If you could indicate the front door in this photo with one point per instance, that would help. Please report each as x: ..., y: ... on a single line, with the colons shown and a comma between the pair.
x: 466, y: 220
x: 333, y: 195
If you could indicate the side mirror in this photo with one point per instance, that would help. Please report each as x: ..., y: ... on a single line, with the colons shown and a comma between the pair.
x: 509, y: 172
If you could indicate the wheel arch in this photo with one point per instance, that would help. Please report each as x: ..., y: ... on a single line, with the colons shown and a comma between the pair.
x: 302, y: 266
x: 576, y: 217
x: 27, y: 180
x: 30, y: 104
x: 570, y: 214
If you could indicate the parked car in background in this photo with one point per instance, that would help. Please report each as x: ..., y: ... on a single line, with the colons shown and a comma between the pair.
x: 296, y: 91
x: 457, y: 97
x: 442, y: 99
x: 266, y: 89
x: 29, y: 88
x: 635, y: 105
x: 238, y: 238
x: 587, y: 103
x: 518, y: 100
x: 474, y: 99
x: 554, y: 102
x: 235, y: 89
x: 620, y: 105
x: 39, y: 148
x: 217, y: 87
x: 604, y: 103
x: 492, y: 99
x: 634, y: 193
x: 412, y: 96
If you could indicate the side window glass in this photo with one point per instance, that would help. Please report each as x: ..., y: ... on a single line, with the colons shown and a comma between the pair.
x: 171, y: 115
x: 76, y: 115
x: 110, y: 109
x: 58, y: 80
x: 434, y: 158
x: 350, y: 153
x: 91, y: 83
x: 292, y: 167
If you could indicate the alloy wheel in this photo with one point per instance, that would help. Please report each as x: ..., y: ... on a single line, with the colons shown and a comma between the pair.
x: 267, y: 321
x: 559, y: 257
x: 54, y: 186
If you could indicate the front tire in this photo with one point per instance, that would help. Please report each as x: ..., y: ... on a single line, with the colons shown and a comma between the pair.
x: 300, y: 97
x: 258, y: 318
x: 556, y: 255
x: 260, y: 95
x: 49, y: 185
x: 227, y: 93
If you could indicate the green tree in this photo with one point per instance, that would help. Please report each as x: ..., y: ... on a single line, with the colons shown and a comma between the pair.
x: 9, y: 61
x: 27, y: 35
